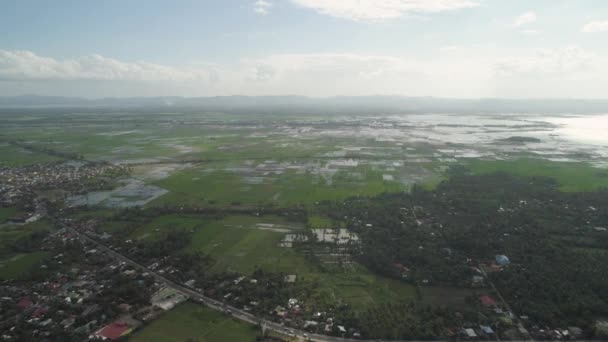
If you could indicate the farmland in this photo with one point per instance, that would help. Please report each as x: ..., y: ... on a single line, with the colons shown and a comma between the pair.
x: 239, y: 206
x: 191, y: 322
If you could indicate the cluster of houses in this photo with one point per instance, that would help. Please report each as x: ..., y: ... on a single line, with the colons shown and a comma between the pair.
x: 20, y: 183
x: 77, y: 298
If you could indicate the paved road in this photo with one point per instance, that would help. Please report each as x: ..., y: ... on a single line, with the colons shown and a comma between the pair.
x: 210, y: 302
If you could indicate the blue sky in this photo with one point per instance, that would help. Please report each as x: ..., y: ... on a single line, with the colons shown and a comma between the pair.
x: 451, y: 48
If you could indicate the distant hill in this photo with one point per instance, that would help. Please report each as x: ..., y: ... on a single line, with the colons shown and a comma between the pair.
x: 338, y: 104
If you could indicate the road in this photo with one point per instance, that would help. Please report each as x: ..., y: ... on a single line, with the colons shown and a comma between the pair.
x: 212, y: 303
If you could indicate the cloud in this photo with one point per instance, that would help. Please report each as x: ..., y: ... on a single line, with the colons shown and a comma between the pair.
x: 530, y: 32
x: 524, y: 19
x: 262, y: 7
x: 548, y: 62
x: 458, y: 71
x: 375, y: 10
x: 595, y: 26
x: 26, y: 65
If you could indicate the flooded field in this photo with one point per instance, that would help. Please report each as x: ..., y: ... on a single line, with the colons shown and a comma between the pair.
x: 198, y: 159
x: 131, y: 193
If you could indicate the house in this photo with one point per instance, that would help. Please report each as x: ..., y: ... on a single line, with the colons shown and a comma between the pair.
x: 290, y: 278
x: 280, y: 311
x: 24, y: 303
x: 502, y: 260
x: 39, y: 312
x: 90, y: 309
x: 487, y: 301
x: 113, y: 331
x: 124, y: 307
x: 20, y: 218
x: 470, y: 333
x: 486, y: 329
x: 68, y: 322
x: 575, y: 332
x: 477, y: 280
x: 117, y: 329
x: 308, y: 324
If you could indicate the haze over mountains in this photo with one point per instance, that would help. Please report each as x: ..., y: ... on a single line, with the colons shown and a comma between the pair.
x: 353, y: 104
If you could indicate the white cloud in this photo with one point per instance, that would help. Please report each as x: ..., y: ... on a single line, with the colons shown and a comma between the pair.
x: 373, y: 10
x: 530, y: 32
x: 569, y: 72
x: 458, y: 71
x: 262, y: 7
x: 548, y: 62
x: 524, y: 19
x: 26, y: 65
x: 595, y: 26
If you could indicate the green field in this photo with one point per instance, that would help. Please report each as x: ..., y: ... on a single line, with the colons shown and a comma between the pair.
x: 159, y: 226
x: 11, y: 233
x: 242, y: 243
x: 572, y: 177
x: 14, y: 264
x: 446, y: 296
x: 197, y: 187
x: 6, y: 213
x: 21, y: 265
x: 359, y: 288
x: 16, y: 156
x: 316, y: 221
x: 192, y: 322
x: 237, y: 244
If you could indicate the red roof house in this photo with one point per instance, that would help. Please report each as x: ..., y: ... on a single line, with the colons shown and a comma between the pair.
x: 113, y: 331
x: 24, y: 303
x: 40, y: 311
x: 487, y: 300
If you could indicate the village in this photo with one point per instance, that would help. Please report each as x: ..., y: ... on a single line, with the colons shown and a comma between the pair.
x: 462, y: 259
x: 21, y: 185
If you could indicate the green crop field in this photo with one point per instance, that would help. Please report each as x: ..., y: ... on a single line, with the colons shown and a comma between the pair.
x: 359, y: 288
x: 192, y: 322
x: 9, y: 234
x: 571, y: 176
x: 162, y: 224
x: 236, y: 243
x: 21, y: 265
x: 196, y: 187
x: 5, y: 213
x: 17, y: 156
x: 316, y: 221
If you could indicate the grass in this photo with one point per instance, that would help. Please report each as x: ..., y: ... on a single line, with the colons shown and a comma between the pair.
x: 359, y: 288
x: 160, y: 225
x: 192, y: 322
x: 237, y: 244
x: 9, y: 234
x: 446, y: 296
x: 21, y: 265
x: 572, y: 177
x: 13, y: 156
x: 195, y: 187
x: 316, y: 221
x: 6, y: 213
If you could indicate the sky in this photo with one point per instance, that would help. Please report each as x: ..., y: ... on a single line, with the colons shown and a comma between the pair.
x: 320, y: 48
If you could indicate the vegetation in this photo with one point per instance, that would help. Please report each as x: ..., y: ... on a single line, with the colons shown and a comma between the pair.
x: 22, y: 266
x: 558, y: 253
x: 571, y: 176
x: 192, y: 322
x: 6, y: 213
